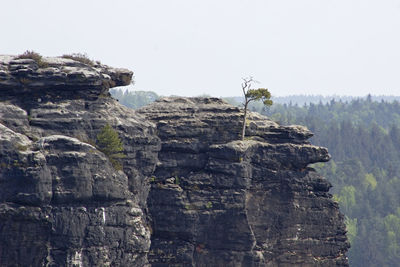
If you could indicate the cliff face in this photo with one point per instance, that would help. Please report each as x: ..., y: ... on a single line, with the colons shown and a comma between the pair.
x: 62, y: 202
x: 215, y: 201
x: 200, y: 196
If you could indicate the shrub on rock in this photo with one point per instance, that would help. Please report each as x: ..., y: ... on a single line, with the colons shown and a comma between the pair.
x: 110, y: 144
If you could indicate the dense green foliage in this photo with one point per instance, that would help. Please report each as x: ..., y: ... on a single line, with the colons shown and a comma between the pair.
x: 110, y: 144
x: 260, y: 94
x: 363, y: 137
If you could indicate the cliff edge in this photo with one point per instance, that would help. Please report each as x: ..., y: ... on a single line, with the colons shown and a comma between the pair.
x: 217, y: 201
x: 62, y: 203
x: 188, y: 194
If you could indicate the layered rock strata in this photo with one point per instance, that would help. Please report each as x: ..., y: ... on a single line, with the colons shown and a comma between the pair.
x: 59, y: 78
x: 213, y: 200
x: 216, y: 201
x: 62, y: 203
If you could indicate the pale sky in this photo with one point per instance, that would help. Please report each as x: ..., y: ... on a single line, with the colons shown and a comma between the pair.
x: 193, y: 47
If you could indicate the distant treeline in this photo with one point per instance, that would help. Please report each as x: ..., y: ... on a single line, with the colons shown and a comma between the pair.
x: 134, y: 99
x: 140, y: 98
x: 316, y: 99
x: 302, y: 100
x: 363, y: 137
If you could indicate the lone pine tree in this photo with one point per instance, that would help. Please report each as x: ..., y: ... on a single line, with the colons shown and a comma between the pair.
x: 253, y: 95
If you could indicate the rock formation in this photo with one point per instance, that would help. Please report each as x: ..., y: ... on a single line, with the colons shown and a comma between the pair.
x: 62, y: 202
x: 216, y: 201
x: 188, y: 185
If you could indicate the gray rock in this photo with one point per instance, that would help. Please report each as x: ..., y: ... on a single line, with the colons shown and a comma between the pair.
x: 60, y: 78
x: 207, y: 198
x: 238, y: 203
x: 62, y: 203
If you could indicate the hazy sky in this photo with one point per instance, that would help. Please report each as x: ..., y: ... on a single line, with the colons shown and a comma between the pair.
x: 191, y: 47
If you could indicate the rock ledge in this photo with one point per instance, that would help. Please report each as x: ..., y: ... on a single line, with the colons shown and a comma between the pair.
x: 60, y: 78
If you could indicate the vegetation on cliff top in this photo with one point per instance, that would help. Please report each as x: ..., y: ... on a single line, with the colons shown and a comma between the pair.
x: 35, y: 56
x: 81, y: 57
x: 253, y: 95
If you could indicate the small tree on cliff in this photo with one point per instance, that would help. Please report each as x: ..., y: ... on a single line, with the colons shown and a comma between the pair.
x: 253, y: 95
x: 110, y: 144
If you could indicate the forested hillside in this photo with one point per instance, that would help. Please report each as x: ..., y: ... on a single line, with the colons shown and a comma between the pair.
x: 363, y: 137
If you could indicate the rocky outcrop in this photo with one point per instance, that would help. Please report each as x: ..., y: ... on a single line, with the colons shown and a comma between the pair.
x: 62, y: 201
x: 189, y: 193
x: 215, y: 201
x: 58, y: 78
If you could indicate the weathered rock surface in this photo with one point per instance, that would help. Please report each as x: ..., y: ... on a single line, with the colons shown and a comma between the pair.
x: 62, y: 203
x: 219, y: 202
x: 60, y: 78
x: 207, y: 198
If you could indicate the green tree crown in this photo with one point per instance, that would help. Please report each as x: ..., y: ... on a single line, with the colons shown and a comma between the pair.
x: 110, y: 144
x: 259, y: 94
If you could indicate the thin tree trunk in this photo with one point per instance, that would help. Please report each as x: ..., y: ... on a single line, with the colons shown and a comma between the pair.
x: 244, y: 120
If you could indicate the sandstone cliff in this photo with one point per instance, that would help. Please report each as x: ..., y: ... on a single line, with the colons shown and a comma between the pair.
x: 216, y: 201
x: 62, y: 202
x: 200, y: 196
